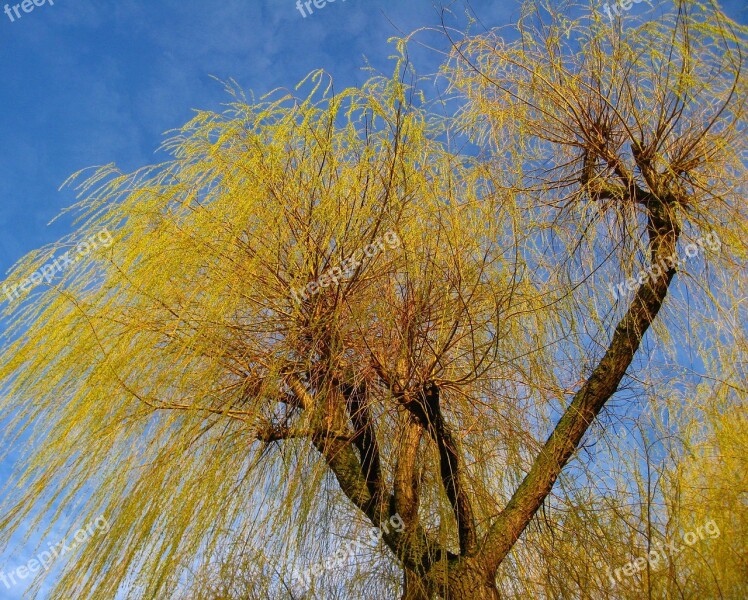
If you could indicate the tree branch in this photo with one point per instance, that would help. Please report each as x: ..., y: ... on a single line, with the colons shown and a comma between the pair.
x: 364, y: 437
x: 278, y: 433
x: 417, y: 552
x: 450, y: 469
x: 591, y: 397
x: 406, y: 480
x: 425, y: 408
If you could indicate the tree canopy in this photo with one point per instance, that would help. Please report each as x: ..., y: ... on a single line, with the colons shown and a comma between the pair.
x: 517, y: 326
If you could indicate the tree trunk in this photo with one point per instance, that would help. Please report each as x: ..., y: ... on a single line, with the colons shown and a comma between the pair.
x: 416, y: 587
x: 461, y: 579
x: 466, y: 580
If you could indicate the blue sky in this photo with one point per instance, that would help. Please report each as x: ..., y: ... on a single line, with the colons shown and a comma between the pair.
x: 86, y: 83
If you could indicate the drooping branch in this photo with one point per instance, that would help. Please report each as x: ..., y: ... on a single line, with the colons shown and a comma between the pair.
x: 416, y: 587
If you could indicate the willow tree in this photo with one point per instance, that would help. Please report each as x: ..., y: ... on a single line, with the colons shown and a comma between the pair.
x: 322, y: 315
